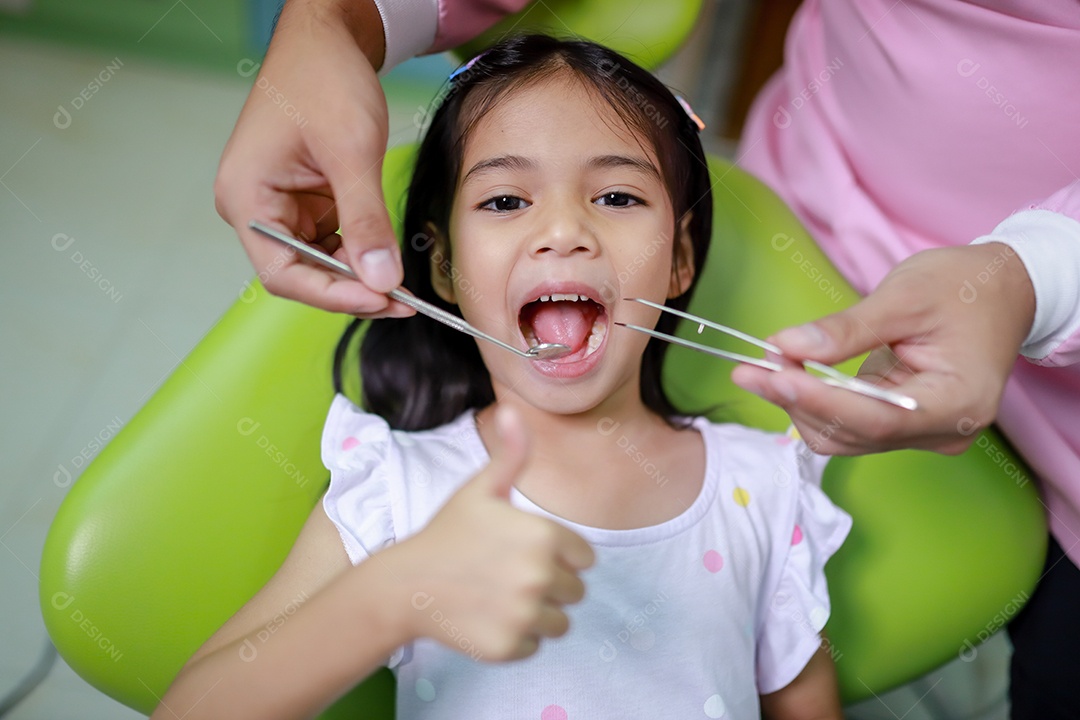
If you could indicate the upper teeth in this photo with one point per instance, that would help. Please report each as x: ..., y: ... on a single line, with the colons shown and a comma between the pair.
x: 556, y: 297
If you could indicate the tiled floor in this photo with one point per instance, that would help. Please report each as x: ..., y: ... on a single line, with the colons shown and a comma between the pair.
x: 114, y: 265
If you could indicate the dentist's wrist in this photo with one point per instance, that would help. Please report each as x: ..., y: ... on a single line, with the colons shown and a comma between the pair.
x: 361, y: 19
x: 1047, y: 246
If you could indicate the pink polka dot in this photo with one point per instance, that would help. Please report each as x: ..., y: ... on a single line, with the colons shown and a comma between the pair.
x: 553, y: 712
x: 796, y: 537
x: 713, y: 561
x: 350, y: 443
x: 783, y: 440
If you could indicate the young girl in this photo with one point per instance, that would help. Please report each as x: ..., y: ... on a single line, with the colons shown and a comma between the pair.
x: 556, y: 179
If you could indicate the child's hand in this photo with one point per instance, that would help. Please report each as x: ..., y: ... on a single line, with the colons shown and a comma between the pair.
x: 485, y: 578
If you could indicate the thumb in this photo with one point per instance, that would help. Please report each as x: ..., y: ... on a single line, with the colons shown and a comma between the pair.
x: 508, y: 459
x: 874, y: 321
x: 371, y: 248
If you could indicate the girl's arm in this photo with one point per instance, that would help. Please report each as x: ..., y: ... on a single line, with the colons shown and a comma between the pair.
x: 481, y: 571
x: 812, y: 695
x: 318, y: 627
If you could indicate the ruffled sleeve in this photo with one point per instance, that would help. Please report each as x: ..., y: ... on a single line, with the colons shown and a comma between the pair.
x: 358, y: 450
x: 791, y: 617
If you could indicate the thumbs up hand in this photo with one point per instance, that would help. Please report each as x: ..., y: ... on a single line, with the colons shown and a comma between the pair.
x: 486, y: 578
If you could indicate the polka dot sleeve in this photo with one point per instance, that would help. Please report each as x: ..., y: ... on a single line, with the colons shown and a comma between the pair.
x: 357, y: 449
x: 792, y: 616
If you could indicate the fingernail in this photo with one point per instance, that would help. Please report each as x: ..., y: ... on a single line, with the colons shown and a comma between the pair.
x: 803, y: 338
x: 379, y: 269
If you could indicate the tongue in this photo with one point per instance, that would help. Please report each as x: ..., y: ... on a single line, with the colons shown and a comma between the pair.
x: 565, y: 322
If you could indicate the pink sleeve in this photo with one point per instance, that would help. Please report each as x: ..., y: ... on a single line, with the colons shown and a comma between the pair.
x: 418, y: 27
x: 1065, y: 201
x: 1046, y: 237
x: 462, y: 20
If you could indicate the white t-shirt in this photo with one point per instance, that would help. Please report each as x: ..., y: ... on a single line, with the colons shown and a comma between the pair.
x: 694, y: 617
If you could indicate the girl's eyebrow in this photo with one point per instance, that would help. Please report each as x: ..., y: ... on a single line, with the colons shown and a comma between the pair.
x: 616, y: 161
x: 517, y: 162
x: 501, y: 162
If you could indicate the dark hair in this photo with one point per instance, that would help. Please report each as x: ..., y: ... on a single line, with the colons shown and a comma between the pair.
x: 417, y: 373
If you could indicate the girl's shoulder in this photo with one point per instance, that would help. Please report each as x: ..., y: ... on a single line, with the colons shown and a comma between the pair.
x: 744, y: 448
x: 385, y: 484
x: 752, y: 436
x: 770, y: 501
x: 354, y: 438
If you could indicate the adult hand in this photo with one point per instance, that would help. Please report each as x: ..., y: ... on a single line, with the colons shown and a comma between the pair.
x: 484, y: 575
x: 306, y: 157
x: 944, y: 327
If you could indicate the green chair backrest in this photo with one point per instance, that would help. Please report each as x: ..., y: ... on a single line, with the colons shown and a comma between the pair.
x: 646, y: 32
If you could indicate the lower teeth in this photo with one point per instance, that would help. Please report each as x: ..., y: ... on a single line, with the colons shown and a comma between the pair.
x: 599, y: 330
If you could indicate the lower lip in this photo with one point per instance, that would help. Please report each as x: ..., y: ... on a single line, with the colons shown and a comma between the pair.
x: 573, y: 369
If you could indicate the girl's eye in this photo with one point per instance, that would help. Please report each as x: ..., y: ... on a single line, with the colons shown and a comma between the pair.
x: 618, y: 199
x: 504, y: 203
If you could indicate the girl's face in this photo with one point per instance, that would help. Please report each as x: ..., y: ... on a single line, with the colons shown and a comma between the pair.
x: 560, y: 212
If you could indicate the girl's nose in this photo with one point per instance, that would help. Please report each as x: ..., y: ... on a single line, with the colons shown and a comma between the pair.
x: 563, y: 231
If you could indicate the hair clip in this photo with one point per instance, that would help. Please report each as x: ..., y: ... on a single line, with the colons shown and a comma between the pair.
x: 689, y: 111
x: 467, y: 66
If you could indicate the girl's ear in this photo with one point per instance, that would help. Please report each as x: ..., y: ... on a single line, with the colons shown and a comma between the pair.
x: 439, y: 259
x: 682, y: 260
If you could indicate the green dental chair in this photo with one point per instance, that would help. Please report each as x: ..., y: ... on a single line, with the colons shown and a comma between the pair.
x: 193, y: 506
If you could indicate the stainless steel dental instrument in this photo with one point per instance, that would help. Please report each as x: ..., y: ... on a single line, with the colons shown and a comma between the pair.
x: 542, y: 351
x: 832, y: 376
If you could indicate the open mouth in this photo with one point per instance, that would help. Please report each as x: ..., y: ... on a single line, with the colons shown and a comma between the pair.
x: 571, y: 319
